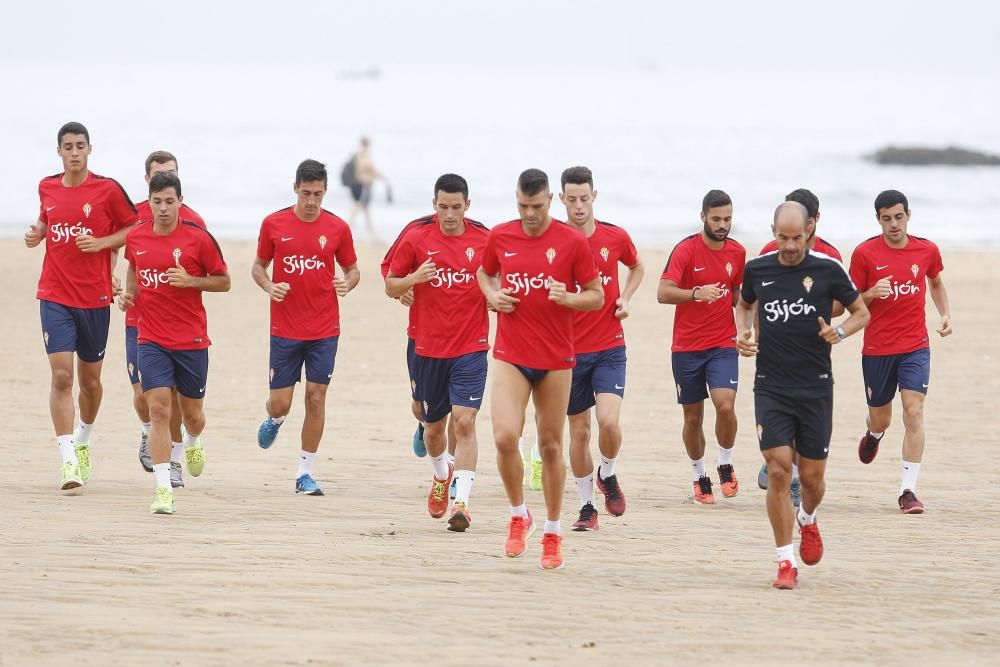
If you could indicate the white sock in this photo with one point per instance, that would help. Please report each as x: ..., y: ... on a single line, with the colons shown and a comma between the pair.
x: 190, y: 439
x: 176, y: 452
x: 82, y: 434
x: 607, y: 467
x: 306, y: 460
x: 697, y: 468
x: 795, y: 472
x: 278, y: 420
x: 787, y: 553
x: 451, y: 458
x: 162, y: 473
x: 440, y: 465
x: 725, y: 456
x: 521, y: 510
x: 806, y: 519
x: 552, y: 527
x: 910, y: 472
x: 535, y: 454
x: 463, y: 485
x: 145, y: 427
x: 67, y: 448
x: 876, y: 434
x: 585, y: 489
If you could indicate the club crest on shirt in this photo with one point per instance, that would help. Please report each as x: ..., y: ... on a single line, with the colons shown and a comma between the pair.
x: 87, y: 208
x: 604, y: 254
x: 550, y: 254
x: 177, y: 255
x: 807, y: 282
x: 915, y: 269
x: 729, y: 268
x: 322, y: 242
x: 470, y: 253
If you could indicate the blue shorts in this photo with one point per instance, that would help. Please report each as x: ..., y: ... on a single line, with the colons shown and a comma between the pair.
x: 596, y: 373
x: 718, y: 368
x: 132, y: 354
x: 289, y: 355
x: 80, y: 330
x: 442, y: 383
x: 187, y: 370
x: 411, y: 366
x: 532, y: 375
x: 884, y: 372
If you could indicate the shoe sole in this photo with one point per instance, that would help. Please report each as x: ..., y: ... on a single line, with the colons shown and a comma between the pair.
x: 785, y: 587
x: 175, y: 485
x: 459, y: 523
x: 913, y: 510
x: 149, y: 469
x: 583, y: 529
x: 557, y: 567
x: 861, y: 453
x: 527, y: 537
x: 731, y: 495
x: 702, y: 502
x: 71, y: 484
x: 172, y: 510
x: 317, y: 492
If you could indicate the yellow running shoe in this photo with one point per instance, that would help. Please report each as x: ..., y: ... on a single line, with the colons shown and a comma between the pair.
x: 83, y: 456
x: 71, y: 476
x: 163, y: 501
x: 195, y: 457
x: 536, y: 475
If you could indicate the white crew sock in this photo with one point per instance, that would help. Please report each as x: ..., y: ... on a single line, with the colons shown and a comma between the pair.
x: 82, y: 434
x: 451, y: 458
x: 607, y: 467
x: 795, y: 472
x: 463, y: 485
x: 910, y: 472
x: 787, y: 553
x: 278, y: 420
x: 176, y: 452
x: 190, y: 438
x: 67, y: 448
x: 145, y: 427
x: 585, y: 489
x: 552, y: 527
x: 440, y: 465
x: 535, y: 454
x: 161, y: 471
x: 697, y: 468
x: 876, y: 434
x: 806, y: 519
x: 520, y: 510
x: 725, y: 456
x: 306, y: 460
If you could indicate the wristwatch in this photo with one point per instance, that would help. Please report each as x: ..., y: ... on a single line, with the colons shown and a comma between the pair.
x: 841, y: 333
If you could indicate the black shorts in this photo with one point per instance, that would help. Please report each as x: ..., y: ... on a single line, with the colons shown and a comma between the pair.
x: 802, y: 418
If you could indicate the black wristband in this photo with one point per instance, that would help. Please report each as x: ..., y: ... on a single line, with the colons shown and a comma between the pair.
x: 692, y: 294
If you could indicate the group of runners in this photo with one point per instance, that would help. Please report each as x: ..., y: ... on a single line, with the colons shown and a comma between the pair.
x: 559, y: 304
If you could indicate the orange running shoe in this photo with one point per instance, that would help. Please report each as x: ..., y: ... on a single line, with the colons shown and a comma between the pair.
x: 460, y: 519
x: 811, y: 544
x: 552, y: 558
x: 727, y: 478
x: 702, y: 493
x: 518, y: 531
x: 788, y: 576
x: 437, y: 499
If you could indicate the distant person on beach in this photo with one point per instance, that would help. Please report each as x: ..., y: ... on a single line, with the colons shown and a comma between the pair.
x: 599, y: 343
x: 702, y: 278
x: 793, y: 386
x: 437, y: 261
x: 305, y: 242
x: 532, y: 268
x: 172, y: 261
x: 893, y: 270
x: 363, y: 174
x: 79, y: 214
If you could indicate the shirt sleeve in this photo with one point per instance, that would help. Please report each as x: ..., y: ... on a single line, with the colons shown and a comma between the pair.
x: 387, y: 260
x: 491, y: 263
x: 403, y: 260
x: 211, y: 256
x: 859, y: 269
x: 629, y: 255
x: 584, y: 266
x: 676, y: 264
x: 122, y: 210
x: 346, y: 254
x: 265, y: 243
x: 768, y: 247
x: 43, y: 215
x: 747, y: 292
x: 741, y: 262
x: 127, y: 251
x: 936, y: 265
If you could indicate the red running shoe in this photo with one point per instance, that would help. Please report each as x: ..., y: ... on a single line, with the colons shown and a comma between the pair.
x: 518, y: 531
x: 587, y: 520
x: 701, y: 492
x: 788, y: 576
x: 552, y: 558
x: 811, y: 544
x: 727, y: 478
x: 614, y: 499
x: 437, y: 499
x: 868, y: 447
x: 909, y: 504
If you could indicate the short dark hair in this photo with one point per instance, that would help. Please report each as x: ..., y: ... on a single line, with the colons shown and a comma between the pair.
x: 532, y: 181
x: 451, y: 183
x: 72, y: 128
x: 159, y: 157
x: 807, y: 199
x: 714, y: 199
x: 577, y: 176
x: 889, y: 198
x: 162, y: 180
x: 310, y: 170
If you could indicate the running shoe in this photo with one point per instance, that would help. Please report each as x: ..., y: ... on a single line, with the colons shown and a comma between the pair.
x: 453, y: 489
x: 811, y: 544
x: 614, y: 499
x: 163, y: 501
x: 727, y: 478
x: 518, y: 531
x: 83, y: 457
x: 460, y: 518
x: 194, y: 456
x: 70, y: 476
x: 796, y: 491
x: 702, y: 492
x: 762, y: 477
x: 552, y: 558
x: 535, y: 482
x: 587, y: 520
x: 788, y: 576
x: 419, y: 448
x: 307, y: 485
x: 176, y: 475
x: 437, y: 499
x: 145, y: 459
x: 908, y: 503
x: 267, y: 432
x: 868, y: 447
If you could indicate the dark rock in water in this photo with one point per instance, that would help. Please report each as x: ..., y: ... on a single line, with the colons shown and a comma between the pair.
x: 952, y: 156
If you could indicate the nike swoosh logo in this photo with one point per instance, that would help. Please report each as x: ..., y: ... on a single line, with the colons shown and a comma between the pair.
x: 701, y: 269
x: 619, y: 387
x: 329, y: 376
x: 287, y: 238
x: 141, y: 252
x: 509, y: 254
x: 766, y: 283
x: 879, y: 268
x: 202, y: 389
x: 925, y: 386
x: 101, y: 354
x: 474, y: 398
x: 734, y: 382
x: 49, y: 208
x: 433, y: 252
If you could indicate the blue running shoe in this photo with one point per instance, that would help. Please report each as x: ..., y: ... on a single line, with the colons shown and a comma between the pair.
x: 419, y: 448
x: 307, y: 485
x: 267, y: 432
x: 796, y: 493
x: 453, y: 489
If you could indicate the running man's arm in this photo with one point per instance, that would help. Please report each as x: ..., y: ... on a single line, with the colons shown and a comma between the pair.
x: 499, y: 300
x: 668, y: 292
x: 88, y: 243
x: 635, y: 276
x: 744, y: 313
x: 397, y: 286
x: 35, y: 234
x: 258, y: 271
x: 590, y: 296
x: 352, y: 276
x: 939, y: 295
x: 127, y: 298
x: 179, y: 277
x: 857, y: 321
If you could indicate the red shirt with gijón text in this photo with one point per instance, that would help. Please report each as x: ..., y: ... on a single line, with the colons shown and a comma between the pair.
x: 700, y: 325
x: 172, y: 317
x: 411, y: 327
x: 304, y: 254
x: 450, y: 310
x: 599, y: 330
x: 821, y: 246
x: 98, y: 207
x: 899, y: 320
x: 539, y: 333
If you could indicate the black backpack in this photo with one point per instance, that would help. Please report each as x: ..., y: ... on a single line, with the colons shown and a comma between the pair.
x: 347, y: 173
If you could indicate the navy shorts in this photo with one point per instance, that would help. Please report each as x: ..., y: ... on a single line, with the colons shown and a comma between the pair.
x: 442, y: 383
x: 596, y: 373
x: 718, y: 368
x: 801, y: 418
x: 532, y: 375
x: 132, y: 354
x: 884, y: 372
x: 186, y: 370
x: 411, y: 366
x: 80, y: 330
x: 289, y: 355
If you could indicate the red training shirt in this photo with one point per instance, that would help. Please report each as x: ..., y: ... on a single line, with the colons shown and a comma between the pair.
x: 598, y: 330
x: 411, y: 326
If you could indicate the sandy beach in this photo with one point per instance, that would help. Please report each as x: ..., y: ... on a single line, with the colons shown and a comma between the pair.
x: 249, y: 573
